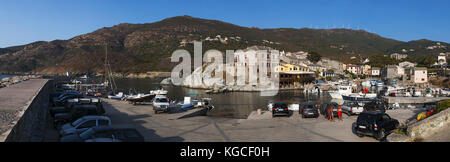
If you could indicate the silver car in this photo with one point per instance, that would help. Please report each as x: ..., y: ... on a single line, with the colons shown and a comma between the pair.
x: 84, y: 123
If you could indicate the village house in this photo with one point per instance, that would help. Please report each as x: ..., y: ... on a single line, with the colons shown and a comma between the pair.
x: 355, y: 69
x: 317, y: 68
x: 389, y: 72
x: 331, y: 64
x: 375, y: 72
x: 417, y: 75
x: 366, y: 69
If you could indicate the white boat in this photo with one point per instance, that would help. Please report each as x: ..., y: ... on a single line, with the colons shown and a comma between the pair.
x: 407, y: 94
x: 394, y: 89
x: 342, y: 90
x: 380, y: 83
x: 118, y: 96
x: 417, y: 94
x: 293, y: 107
x: 359, y: 97
x: 84, y: 77
x: 366, y: 83
x: 159, y: 92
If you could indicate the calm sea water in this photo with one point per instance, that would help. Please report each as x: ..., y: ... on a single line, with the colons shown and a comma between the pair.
x: 233, y: 104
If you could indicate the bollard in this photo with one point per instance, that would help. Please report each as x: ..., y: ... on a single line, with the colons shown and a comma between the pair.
x: 258, y: 111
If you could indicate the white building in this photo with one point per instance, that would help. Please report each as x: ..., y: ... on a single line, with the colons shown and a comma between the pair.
x: 375, y: 71
x: 418, y: 75
x: 442, y: 59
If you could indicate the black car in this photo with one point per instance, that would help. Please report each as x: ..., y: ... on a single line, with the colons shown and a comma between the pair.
x: 55, y: 96
x: 77, y: 111
x: 75, y: 101
x: 61, y: 101
x: 105, y: 132
x: 309, y: 109
x: 375, y: 124
x: 375, y: 106
x: 280, y: 108
x: 324, y: 109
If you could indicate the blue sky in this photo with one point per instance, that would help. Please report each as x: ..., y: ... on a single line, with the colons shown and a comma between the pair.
x: 26, y: 21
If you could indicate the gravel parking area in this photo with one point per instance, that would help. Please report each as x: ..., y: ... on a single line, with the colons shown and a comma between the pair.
x: 173, y: 128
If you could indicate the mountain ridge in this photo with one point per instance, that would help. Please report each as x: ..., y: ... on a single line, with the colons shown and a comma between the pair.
x: 138, y: 48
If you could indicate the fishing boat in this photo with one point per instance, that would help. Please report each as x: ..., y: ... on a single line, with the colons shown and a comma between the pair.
x: 159, y: 92
x: 359, y: 96
x: 118, y: 96
x: 139, y: 98
x: 396, y: 90
x: 366, y: 83
x: 342, y: 90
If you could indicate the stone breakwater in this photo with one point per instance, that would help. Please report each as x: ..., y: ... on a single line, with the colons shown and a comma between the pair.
x: 8, y: 81
x: 23, y: 111
x: 424, y: 128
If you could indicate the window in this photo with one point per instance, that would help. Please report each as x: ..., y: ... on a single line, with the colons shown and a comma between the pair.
x: 103, y: 122
x: 88, y: 124
x: 385, y: 117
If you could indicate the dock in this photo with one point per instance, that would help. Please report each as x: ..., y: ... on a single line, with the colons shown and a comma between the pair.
x: 413, y: 100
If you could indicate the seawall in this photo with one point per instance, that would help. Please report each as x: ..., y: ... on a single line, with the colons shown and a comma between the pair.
x: 23, y: 111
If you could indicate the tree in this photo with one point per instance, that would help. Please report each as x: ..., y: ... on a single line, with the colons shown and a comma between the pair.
x: 314, y: 57
x: 381, y: 61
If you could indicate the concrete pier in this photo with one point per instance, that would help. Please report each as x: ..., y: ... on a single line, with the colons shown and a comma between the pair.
x: 413, y: 100
x: 23, y: 110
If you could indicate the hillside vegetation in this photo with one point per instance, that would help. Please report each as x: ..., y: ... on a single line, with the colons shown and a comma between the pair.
x: 138, y: 48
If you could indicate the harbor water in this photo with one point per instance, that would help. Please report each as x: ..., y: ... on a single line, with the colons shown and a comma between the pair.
x: 231, y: 104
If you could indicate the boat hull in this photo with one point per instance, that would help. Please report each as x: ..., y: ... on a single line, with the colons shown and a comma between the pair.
x: 335, y: 95
x: 351, y: 98
x: 141, y: 99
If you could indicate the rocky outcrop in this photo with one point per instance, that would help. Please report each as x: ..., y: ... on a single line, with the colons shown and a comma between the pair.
x: 201, y: 81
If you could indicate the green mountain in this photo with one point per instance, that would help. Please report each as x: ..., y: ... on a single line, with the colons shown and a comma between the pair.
x: 138, y: 48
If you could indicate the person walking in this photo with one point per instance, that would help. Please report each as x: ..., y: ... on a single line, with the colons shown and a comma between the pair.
x: 339, y: 113
x: 331, y: 113
x: 328, y: 114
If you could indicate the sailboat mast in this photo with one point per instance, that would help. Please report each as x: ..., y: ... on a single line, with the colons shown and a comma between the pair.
x: 106, y: 66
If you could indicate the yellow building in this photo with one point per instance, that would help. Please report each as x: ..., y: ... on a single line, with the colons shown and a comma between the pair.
x: 291, y: 68
x: 294, y: 75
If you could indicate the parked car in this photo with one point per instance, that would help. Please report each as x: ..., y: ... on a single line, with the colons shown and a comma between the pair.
x: 101, y: 134
x: 376, y: 105
x: 352, y: 107
x: 76, y: 112
x: 376, y: 124
x: 280, y: 108
x: 61, y: 101
x: 160, y: 103
x: 309, y: 109
x: 83, y: 124
x: 324, y: 108
x: 75, y: 101
x: 56, y: 96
